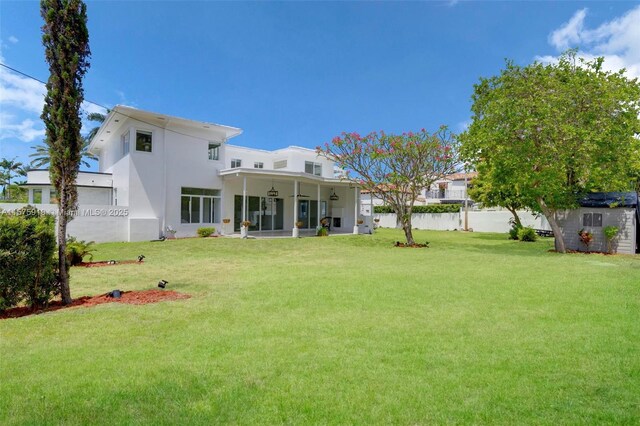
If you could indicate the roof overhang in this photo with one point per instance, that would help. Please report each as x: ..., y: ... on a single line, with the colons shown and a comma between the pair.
x: 284, y: 175
x: 196, y: 129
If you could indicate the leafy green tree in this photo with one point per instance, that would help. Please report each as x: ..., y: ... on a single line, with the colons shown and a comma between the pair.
x: 395, y: 168
x: 556, y: 131
x: 66, y: 41
x: 488, y: 188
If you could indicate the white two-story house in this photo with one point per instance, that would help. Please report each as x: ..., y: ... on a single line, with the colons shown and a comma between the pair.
x: 159, y: 173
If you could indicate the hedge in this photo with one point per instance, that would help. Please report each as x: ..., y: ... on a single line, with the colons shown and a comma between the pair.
x: 429, y: 208
x: 27, y: 258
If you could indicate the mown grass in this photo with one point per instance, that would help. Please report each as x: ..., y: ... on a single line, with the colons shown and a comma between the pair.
x: 339, y: 330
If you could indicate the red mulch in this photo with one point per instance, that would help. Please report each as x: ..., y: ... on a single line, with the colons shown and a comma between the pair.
x: 130, y: 297
x: 106, y: 263
x: 414, y: 245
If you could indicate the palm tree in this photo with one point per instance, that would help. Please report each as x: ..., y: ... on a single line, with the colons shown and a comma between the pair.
x: 11, y: 168
x: 41, y: 152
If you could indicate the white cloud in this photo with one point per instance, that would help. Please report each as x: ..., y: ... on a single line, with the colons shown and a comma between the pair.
x: 618, y: 40
x: 27, y: 130
x: 13, y: 39
x: 568, y: 34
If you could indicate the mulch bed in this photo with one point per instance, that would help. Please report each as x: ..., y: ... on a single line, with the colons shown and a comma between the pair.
x: 414, y: 245
x: 583, y: 252
x: 142, y: 297
x: 107, y: 263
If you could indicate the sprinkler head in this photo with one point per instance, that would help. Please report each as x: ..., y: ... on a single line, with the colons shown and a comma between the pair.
x: 162, y: 283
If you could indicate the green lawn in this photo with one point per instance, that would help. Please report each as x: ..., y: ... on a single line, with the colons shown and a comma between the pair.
x: 338, y: 330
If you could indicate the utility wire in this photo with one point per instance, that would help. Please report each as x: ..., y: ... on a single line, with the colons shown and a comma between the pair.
x: 102, y: 106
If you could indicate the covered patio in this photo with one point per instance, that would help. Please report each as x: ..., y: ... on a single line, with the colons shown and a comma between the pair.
x: 275, y: 201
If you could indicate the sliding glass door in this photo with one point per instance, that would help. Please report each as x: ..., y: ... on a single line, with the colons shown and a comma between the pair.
x: 264, y: 213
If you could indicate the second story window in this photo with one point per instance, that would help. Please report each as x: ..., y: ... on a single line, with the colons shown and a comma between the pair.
x: 258, y: 165
x: 214, y: 151
x: 313, y: 168
x: 236, y: 163
x: 143, y: 141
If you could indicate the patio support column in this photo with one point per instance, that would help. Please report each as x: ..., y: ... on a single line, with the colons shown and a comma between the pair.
x: 355, y: 210
x: 296, y: 232
x: 244, y: 206
x: 318, y: 215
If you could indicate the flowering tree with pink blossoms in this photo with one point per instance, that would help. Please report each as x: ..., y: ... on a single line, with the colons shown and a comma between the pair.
x: 395, y: 168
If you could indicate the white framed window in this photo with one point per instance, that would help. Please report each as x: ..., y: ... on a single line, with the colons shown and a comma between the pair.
x: 124, y: 142
x: 235, y: 162
x: 313, y: 168
x: 258, y: 165
x: 280, y: 164
x: 144, y: 141
x: 200, y: 205
x: 592, y: 219
x: 37, y: 196
x: 214, y: 151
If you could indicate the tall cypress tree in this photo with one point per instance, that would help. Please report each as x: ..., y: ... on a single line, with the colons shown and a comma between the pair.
x: 66, y: 41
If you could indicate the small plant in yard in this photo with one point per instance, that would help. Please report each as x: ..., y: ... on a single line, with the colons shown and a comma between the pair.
x: 321, y: 231
x: 527, y: 234
x: 611, y: 233
x: 77, y: 250
x: 206, y: 231
x: 513, y: 232
x: 585, y: 237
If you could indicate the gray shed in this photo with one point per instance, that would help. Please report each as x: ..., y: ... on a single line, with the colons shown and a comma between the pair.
x: 598, y: 210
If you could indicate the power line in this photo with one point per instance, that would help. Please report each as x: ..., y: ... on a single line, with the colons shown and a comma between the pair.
x: 42, y: 82
x: 102, y: 106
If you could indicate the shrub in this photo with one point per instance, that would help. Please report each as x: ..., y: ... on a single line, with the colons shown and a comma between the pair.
x: 610, y: 232
x: 206, y: 231
x: 321, y: 231
x: 513, y: 232
x: 27, y: 262
x: 430, y: 208
x: 77, y: 250
x: 527, y: 234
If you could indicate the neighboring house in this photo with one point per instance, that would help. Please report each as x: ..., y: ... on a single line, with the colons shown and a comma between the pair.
x: 158, y: 172
x: 597, y: 211
x: 449, y: 190
x: 452, y: 189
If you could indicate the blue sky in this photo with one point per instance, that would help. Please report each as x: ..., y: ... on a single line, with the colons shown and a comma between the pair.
x: 299, y: 73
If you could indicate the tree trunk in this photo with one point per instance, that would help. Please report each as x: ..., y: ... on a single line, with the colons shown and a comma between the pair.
x: 406, y: 227
x: 557, y: 232
x: 516, y: 218
x: 63, y: 273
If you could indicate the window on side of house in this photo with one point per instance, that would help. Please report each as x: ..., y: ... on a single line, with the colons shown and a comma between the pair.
x: 235, y: 162
x: 37, y: 196
x: 200, y: 205
x: 53, y: 196
x: 280, y: 164
x: 587, y: 219
x: 144, y: 141
x: 214, y: 151
x: 313, y: 168
x: 258, y: 165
